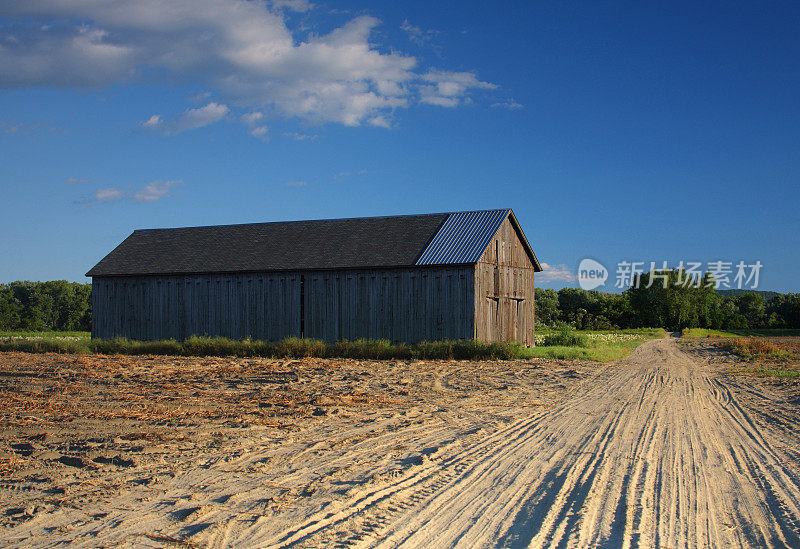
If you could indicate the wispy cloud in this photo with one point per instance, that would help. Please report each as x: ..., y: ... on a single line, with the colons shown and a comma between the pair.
x: 7, y: 127
x: 296, y: 183
x: 155, y: 190
x: 260, y: 132
x: 153, y: 123
x: 510, y: 105
x: 421, y: 37
x: 301, y: 136
x: 349, y: 174
x: 252, y: 118
x: 191, y: 119
x: 28, y: 130
x: 253, y: 121
x: 109, y: 194
x: 449, y: 89
x: 380, y: 121
x: 293, y: 5
x: 151, y: 192
x: 555, y: 273
x: 243, y: 52
x: 78, y: 180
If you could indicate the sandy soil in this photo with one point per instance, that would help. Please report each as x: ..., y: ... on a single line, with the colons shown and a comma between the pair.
x: 213, y: 451
x: 666, y: 448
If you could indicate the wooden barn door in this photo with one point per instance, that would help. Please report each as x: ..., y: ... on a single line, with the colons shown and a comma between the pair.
x: 504, y: 282
x: 513, y: 316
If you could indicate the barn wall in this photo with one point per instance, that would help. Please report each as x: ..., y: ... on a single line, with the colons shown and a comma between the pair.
x: 504, y: 290
x: 164, y: 307
x: 401, y: 305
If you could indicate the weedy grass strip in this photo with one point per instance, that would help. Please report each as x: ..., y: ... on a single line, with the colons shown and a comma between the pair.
x: 286, y: 348
x: 753, y: 347
x: 601, y: 346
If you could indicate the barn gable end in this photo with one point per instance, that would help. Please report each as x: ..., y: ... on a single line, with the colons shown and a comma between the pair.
x: 504, y: 287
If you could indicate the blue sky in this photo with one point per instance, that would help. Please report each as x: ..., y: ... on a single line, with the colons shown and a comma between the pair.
x: 614, y: 131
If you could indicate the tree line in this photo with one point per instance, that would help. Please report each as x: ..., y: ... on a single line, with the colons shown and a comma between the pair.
x: 55, y: 305
x: 669, y: 300
x: 656, y: 300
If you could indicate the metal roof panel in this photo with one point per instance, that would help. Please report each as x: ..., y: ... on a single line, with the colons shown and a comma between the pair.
x: 463, y: 237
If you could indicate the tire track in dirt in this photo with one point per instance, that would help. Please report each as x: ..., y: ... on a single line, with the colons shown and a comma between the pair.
x: 655, y: 451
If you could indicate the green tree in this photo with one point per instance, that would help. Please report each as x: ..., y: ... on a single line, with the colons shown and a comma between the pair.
x: 753, y: 307
x: 9, y: 309
x: 546, y: 306
x: 671, y: 299
x: 38, y: 306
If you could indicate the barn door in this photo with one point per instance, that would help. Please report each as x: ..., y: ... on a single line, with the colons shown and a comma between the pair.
x: 513, y: 318
x: 493, y: 325
x: 519, y: 333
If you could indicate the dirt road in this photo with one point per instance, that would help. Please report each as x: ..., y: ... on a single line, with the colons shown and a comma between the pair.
x: 657, y: 451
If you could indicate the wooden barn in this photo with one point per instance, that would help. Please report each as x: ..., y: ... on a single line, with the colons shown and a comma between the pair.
x: 464, y: 275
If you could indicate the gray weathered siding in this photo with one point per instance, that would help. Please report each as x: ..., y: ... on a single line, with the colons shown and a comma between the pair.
x: 398, y: 304
x: 164, y: 307
x: 504, y: 290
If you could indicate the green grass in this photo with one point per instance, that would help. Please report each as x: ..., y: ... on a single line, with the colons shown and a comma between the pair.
x: 46, y: 335
x: 763, y: 332
x: 774, y: 372
x: 287, y: 348
x: 601, y: 345
x: 768, y: 332
x: 604, y: 346
x: 703, y: 332
x: 565, y: 336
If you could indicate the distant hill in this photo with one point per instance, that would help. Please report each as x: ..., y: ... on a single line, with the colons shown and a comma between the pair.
x: 735, y: 291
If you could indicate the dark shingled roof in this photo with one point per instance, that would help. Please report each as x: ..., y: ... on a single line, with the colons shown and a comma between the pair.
x: 294, y: 245
x: 366, y: 242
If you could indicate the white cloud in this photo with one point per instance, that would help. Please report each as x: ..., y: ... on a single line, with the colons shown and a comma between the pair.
x: 153, y: 122
x: 252, y: 118
x: 78, y: 180
x: 450, y: 89
x: 296, y: 183
x: 420, y: 36
x: 29, y: 130
x: 379, y: 121
x: 151, y: 192
x: 555, y: 273
x: 301, y: 136
x: 293, y: 5
x: 349, y: 174
x: 242, y: 51
x: 260, y: 132
x: 108, y: 194
x: 202, y: 116
x: 257, y: 130
x: 432, y: 99
x: 510, y: 105
x: 155, y: 190
x: 200, y: 97
x: 191, y: 119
